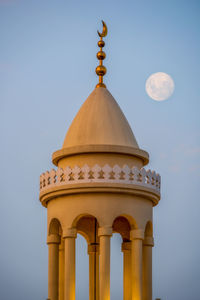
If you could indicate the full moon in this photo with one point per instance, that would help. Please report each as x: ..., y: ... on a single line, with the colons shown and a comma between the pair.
x: 159, y: 86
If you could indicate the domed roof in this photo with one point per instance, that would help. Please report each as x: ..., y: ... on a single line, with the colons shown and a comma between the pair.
x: 100, y: 127
x: 100, y: 121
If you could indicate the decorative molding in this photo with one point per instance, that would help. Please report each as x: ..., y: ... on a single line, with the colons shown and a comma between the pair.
x: 97, y: 174
x: 96, y: 148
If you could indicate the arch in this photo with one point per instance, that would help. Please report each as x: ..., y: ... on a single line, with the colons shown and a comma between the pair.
x: 87, y: 225
x: 129, y: 220
x: 122, y: 226
x: 148, y: 229
x: 55, y: 227
x: 76, y: 220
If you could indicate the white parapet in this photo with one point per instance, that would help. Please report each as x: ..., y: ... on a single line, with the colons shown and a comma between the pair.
x: 97, y: 174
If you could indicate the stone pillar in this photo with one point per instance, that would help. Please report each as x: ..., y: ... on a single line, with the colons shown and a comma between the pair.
x: 61, y: 270
x: 53, y: 241
x: 126, y: 249
x: 148, y: 243
x: 69, y: 269
x: 93, y: 252
x: 104, y: 234
x: 137, y: 235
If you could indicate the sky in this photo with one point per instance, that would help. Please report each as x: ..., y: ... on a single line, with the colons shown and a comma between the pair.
x: 47, y: 70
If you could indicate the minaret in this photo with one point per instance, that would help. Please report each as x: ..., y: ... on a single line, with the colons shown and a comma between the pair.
x: 100, y: 187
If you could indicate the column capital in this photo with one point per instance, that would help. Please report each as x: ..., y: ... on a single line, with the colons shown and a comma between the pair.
x: 126, y: 246
x: 148, y: 241
x: 137, y: 234
x: 105, y: 231
x: 53, y: 239
x: 70, y: 233
x: 93, y: 248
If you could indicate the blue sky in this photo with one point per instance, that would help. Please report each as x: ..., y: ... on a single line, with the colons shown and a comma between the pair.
x: 47, y: 60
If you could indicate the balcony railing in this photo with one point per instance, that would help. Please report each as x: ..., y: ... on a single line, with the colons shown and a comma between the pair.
x: 97, y: 174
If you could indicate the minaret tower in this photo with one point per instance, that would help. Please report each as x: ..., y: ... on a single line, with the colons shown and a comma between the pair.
x: 100, y: 187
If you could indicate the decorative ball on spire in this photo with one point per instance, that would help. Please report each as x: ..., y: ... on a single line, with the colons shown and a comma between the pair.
x: 101, y: 55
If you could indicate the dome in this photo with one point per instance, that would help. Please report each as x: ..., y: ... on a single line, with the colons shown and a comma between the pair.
x: 100, y: 121
x: 100, y: 127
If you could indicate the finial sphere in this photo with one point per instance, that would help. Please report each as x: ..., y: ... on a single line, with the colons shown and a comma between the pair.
x: 101, y: 70
x: 101, y: 43
x: 101, y: 55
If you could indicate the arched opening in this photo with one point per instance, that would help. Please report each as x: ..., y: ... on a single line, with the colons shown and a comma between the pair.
x: 87, y: 226
x: 55, y: 227
x: 121, y: 225
x: 87, y: 254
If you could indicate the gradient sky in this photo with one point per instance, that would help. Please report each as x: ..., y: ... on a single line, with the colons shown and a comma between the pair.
x: 47, y: 62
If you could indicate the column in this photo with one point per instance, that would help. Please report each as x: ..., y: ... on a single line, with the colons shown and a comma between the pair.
x: 104, y: 234
x: 53, y: 241
x: 69, y: 269
x: 137, y: 235
x: 147, y: 267
x: 61, y: 270
x: 93, y: 252
x: 126, y: 249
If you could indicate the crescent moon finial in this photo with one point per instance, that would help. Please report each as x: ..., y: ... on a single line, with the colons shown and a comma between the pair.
x: 104, y: 31
x: 101, y: 70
